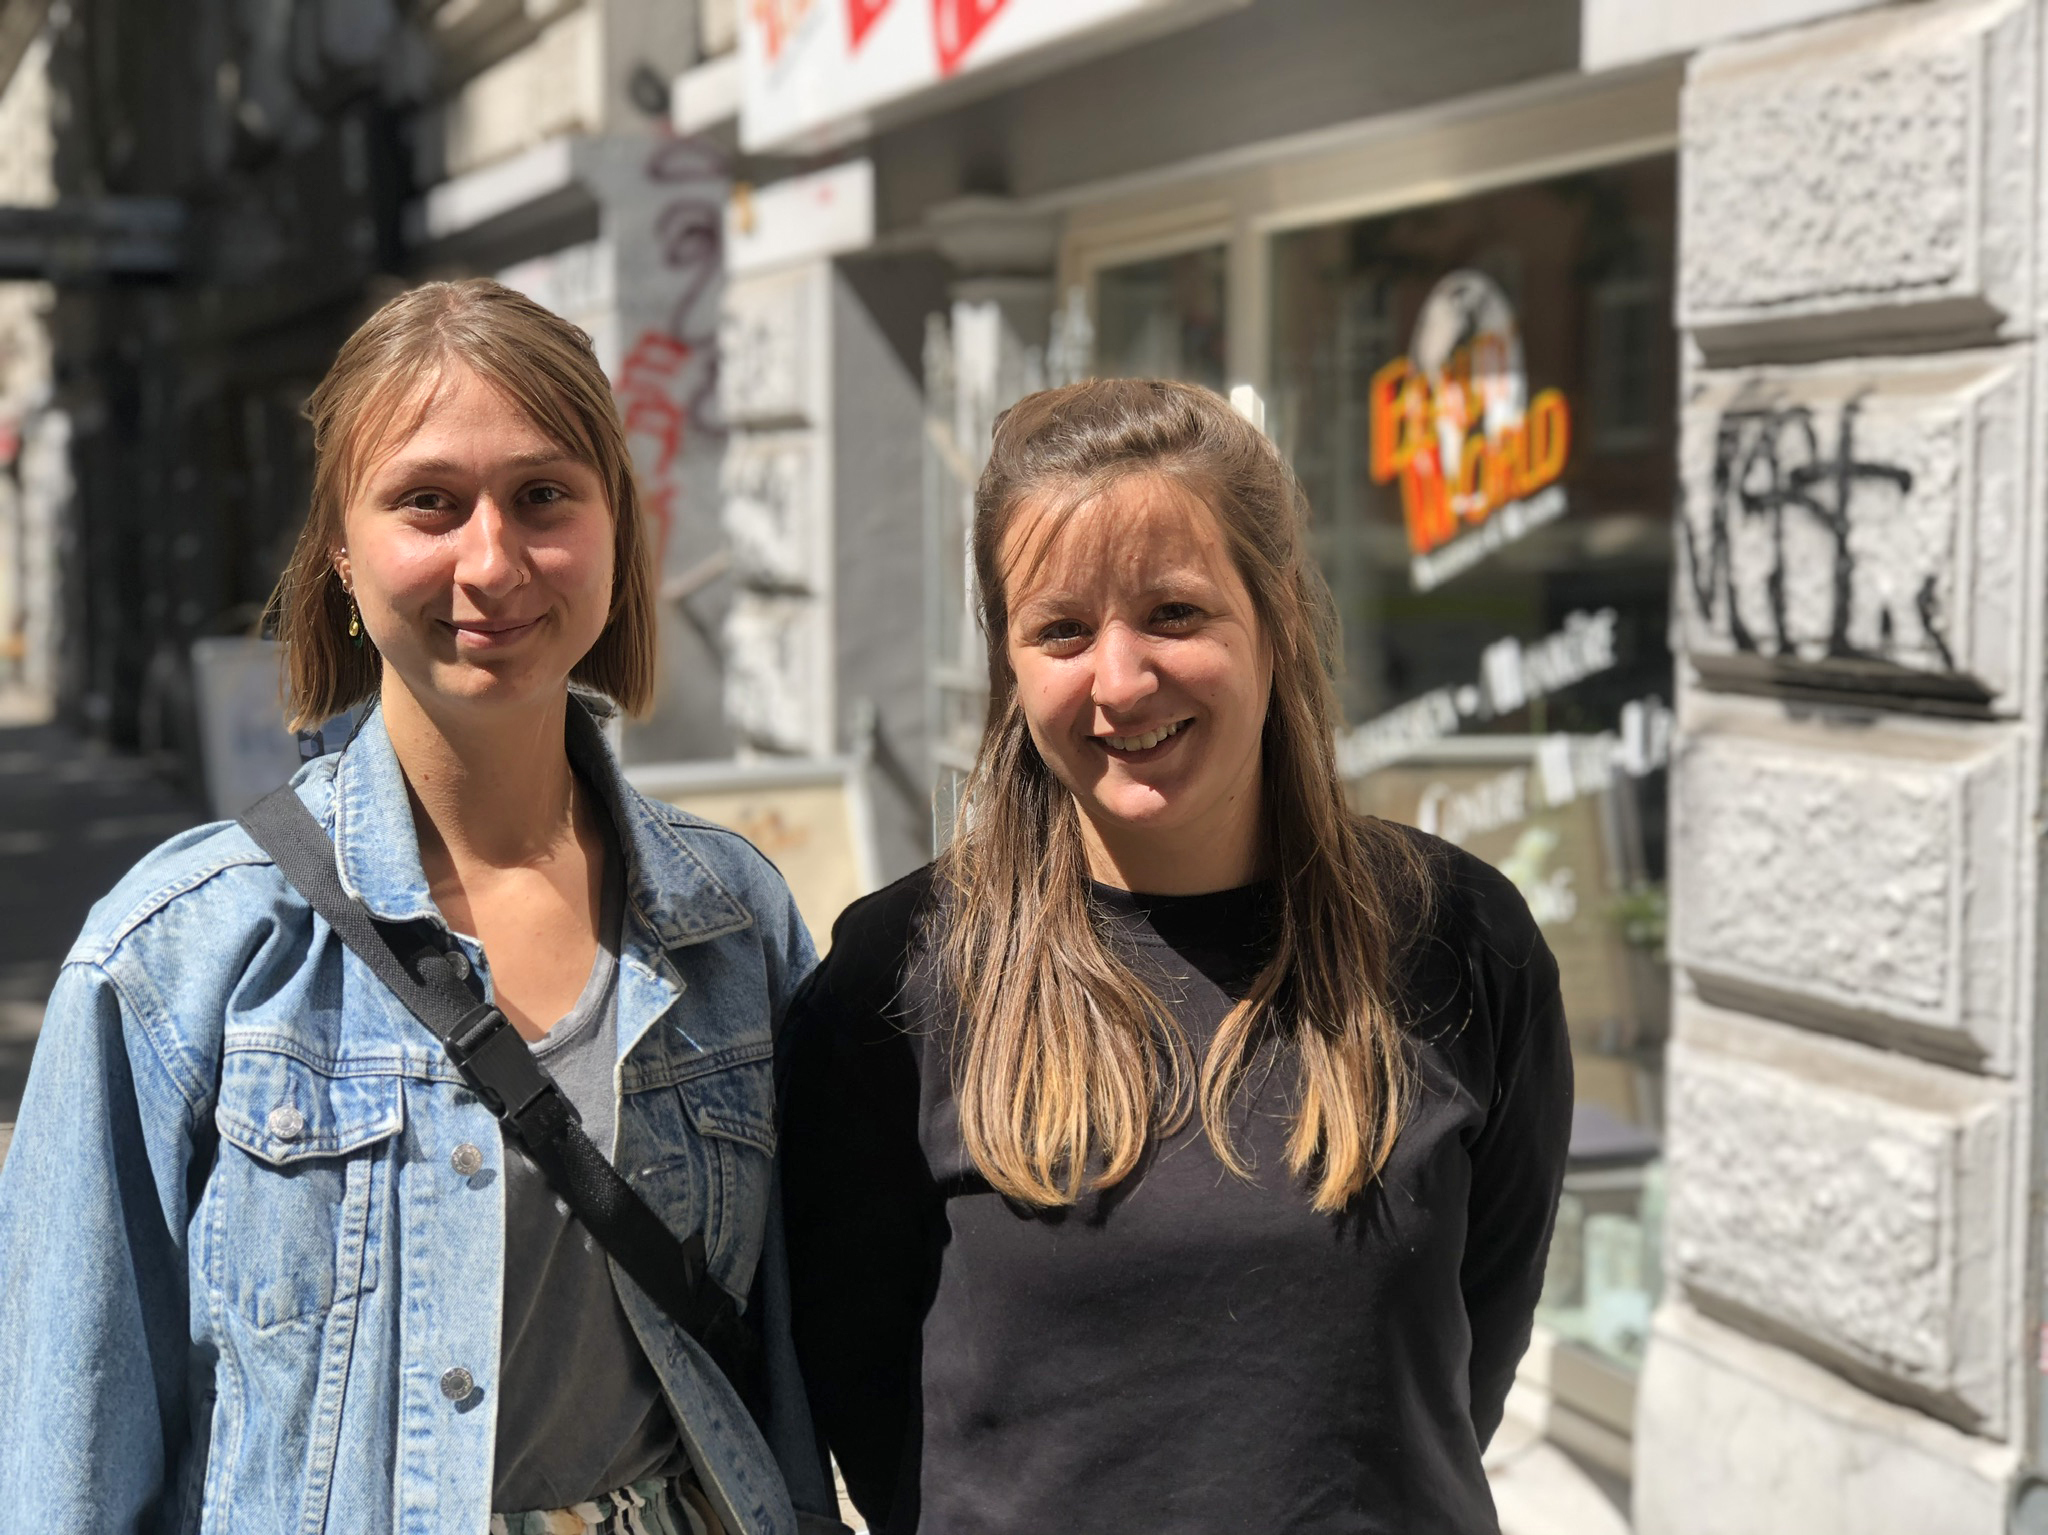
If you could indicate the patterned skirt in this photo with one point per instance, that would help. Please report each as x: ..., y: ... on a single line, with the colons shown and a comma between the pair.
x: 661, y: 1506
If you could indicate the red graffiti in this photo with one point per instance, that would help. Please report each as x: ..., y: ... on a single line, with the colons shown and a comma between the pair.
x: 667, y: 384
x: 957, y: 23
x: 648, y: 399
x: 862, y: 14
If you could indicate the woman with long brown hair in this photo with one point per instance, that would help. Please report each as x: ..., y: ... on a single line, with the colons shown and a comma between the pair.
x: 1179, y: 1151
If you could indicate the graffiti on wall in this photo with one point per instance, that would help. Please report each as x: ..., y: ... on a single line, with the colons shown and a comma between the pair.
x: 667, y: 381
x: 1784, y: 474
x: 769, y: 510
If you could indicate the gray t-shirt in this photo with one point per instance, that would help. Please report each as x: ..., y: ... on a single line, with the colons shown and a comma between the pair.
x: 580, y: 1411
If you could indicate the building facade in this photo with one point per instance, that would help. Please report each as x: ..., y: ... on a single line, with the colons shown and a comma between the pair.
x: 1665, y: 377
x: 1849, y: 1338
x: 303, y: 160
x: 35, y: 470
x: 1662, y: 375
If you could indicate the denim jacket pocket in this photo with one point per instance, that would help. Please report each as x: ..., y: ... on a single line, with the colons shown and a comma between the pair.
x: 714, y: 1130
x: 304, y: 1165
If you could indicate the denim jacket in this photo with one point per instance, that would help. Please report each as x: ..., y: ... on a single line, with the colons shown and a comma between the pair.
x: 244, y: 1286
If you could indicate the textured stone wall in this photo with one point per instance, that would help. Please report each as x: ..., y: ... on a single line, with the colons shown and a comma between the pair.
x: 1890, y: 1257
x: 1748, y: 1439
x: 1846, y: 1340
x: 1869, y: 178
x: 1863, y: 875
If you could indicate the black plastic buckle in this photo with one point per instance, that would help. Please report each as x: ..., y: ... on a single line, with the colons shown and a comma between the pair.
x: 496, y: 1062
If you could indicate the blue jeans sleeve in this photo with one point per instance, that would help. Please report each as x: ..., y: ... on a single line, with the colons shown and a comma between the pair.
x: 94, y: 1319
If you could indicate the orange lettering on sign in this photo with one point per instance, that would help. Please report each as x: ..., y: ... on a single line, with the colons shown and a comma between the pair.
x: 1389, y: 447
x: 1550, y: 436
x: 1413, y: 423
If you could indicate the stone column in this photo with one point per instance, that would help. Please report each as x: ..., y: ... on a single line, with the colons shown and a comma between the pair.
x: 1849, y: 1339
x: 987, y: 353
x: 777, y: 385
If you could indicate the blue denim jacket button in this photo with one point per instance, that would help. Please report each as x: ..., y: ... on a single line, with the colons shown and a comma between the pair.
x: 459, y: 963
x: 467, y: 1160
x: 286, y: 1122
x: 457, y: 1384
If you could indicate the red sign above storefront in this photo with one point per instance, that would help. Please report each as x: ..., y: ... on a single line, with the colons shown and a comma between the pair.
x: 816, y: 73
x: 955, y: 26
x: 861, y: 15
x: 1477, y: 459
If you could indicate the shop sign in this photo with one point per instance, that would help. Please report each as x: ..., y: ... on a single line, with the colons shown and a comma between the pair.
x: 1511, y: 676
x: 813, y: 69
x: 1478, y: 460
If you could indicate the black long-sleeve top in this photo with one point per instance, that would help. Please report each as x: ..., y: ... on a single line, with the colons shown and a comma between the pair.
x: 1188, y: 1350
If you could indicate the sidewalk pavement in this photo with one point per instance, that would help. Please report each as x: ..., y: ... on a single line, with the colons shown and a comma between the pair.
x: 1540, y: 1490
x: 73, y: 818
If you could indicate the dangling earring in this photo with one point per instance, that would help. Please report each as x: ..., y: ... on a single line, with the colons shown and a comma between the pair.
x: 355, y: 623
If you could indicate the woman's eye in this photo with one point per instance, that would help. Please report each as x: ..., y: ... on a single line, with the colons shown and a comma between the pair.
x: 547, y: 495
x: 428, y: 501
x: 1175, y: 615
x: 1065, y: 633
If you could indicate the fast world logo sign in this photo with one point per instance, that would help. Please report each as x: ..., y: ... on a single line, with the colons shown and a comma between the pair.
x: 1477, y: 459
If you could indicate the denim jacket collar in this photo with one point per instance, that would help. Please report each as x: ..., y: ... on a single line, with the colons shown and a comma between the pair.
x: 671, y: 888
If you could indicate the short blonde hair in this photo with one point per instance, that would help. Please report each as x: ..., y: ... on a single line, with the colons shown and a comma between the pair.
x: 544, y: 365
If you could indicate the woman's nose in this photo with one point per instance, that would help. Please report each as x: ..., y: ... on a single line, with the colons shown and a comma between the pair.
x: 1123, y: 671
x: 489, y: 557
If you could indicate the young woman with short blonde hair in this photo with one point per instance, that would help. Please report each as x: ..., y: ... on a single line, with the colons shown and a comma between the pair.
x: 267, y: 1260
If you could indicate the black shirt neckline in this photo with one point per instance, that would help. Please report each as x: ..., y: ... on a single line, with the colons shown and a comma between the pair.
x: 1240, y: 918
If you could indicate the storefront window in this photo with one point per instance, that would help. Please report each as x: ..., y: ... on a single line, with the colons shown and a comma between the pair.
x: 1162, y: 319
x: 1479, y: 398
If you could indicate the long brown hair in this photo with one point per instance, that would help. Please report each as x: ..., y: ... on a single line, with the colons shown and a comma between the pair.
x: 388, y: 368
x: 1066, y: 1063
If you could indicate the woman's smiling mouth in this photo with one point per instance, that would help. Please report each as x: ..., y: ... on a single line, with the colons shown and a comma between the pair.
x: 487, y: 632
x: 1144, y: 741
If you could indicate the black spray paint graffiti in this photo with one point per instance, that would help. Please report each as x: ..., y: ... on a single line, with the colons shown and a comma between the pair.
x: 1770, y: 465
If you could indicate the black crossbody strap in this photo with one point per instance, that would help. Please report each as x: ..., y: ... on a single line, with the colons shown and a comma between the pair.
x: 412, y: 962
